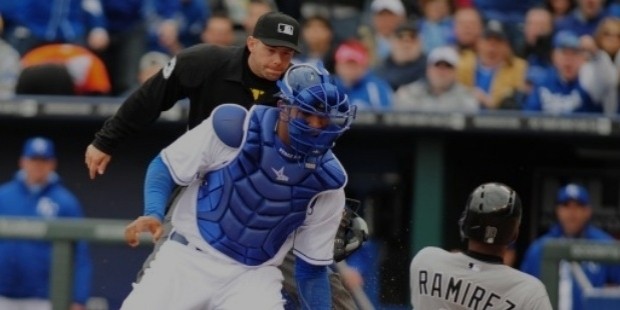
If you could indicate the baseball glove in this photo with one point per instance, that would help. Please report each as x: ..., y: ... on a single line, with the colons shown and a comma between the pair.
x: 352, y: 233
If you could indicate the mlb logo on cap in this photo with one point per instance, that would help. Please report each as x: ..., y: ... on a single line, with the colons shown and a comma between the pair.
x: 286, y: 29
x: 39, y: 147
x: 279, y: 30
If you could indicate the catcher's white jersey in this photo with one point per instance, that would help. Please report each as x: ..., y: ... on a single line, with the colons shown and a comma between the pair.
x: 199, y: 151
x: 443, y: 280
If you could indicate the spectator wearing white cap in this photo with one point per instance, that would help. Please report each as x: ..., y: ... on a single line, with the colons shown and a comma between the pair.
x: 439, y: 91
x: 387, y: 16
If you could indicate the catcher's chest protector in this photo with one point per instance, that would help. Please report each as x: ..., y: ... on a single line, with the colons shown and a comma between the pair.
x: 248, y: 208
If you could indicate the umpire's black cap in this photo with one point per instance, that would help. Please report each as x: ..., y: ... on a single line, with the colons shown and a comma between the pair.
x: 278, y: 29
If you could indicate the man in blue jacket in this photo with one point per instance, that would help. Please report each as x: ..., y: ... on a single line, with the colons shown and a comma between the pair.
x: 582, y: 79
x: 573, y: 212
x: 36, y: 191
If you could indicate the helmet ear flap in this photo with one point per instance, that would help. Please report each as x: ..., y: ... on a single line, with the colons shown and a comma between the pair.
x: 461, y: 223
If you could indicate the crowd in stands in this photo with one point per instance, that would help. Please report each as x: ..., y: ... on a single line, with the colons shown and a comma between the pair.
x: 555, y: 56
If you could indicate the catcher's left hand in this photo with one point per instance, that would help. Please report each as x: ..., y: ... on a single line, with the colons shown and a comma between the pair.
x: 352, y: 233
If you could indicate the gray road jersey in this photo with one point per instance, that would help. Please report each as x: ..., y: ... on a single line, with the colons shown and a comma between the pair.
x: 444, y: 280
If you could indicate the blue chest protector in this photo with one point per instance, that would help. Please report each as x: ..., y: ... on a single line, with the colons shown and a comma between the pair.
x: 248, y: 208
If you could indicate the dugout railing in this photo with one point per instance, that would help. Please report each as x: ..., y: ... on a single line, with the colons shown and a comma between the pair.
x: 556, y: 251
x: 63, y: 233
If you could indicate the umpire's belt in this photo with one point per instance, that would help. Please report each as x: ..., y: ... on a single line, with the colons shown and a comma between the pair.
x: 182, y: 240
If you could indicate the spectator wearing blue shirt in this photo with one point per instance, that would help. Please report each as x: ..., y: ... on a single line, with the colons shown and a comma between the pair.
x: 584, y: 19
x: 573, y: 211
x: 37, y: 22
x: 183, y: 30
x: 575, y: 84
x: 436, y: 26
x: 353, y: 74
x: 36, y: 191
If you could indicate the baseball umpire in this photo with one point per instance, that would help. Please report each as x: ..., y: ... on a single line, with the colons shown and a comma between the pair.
x: 259, y: 183
x: 208, y: 75
x: 478, y: 279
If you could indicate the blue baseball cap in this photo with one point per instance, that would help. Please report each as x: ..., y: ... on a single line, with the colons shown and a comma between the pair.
x: 573, y: 192
x: 566, y: 39
x: 39, y: 147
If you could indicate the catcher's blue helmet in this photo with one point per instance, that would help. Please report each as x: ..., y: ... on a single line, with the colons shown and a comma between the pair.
x: 309, y: 89
x: 300, y: 76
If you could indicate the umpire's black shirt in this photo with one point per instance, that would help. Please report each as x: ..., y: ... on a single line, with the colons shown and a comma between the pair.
x: 206, y: 74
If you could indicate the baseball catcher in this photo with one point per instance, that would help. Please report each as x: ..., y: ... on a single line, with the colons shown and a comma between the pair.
x: 259, y: 183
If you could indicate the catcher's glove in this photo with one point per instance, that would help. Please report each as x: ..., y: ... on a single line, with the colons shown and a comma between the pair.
x: 352, y: 233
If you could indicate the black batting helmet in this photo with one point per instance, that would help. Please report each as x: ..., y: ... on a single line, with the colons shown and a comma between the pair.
x: 492, y: 214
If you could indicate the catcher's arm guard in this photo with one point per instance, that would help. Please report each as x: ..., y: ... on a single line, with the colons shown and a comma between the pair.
x: 352, y: 233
